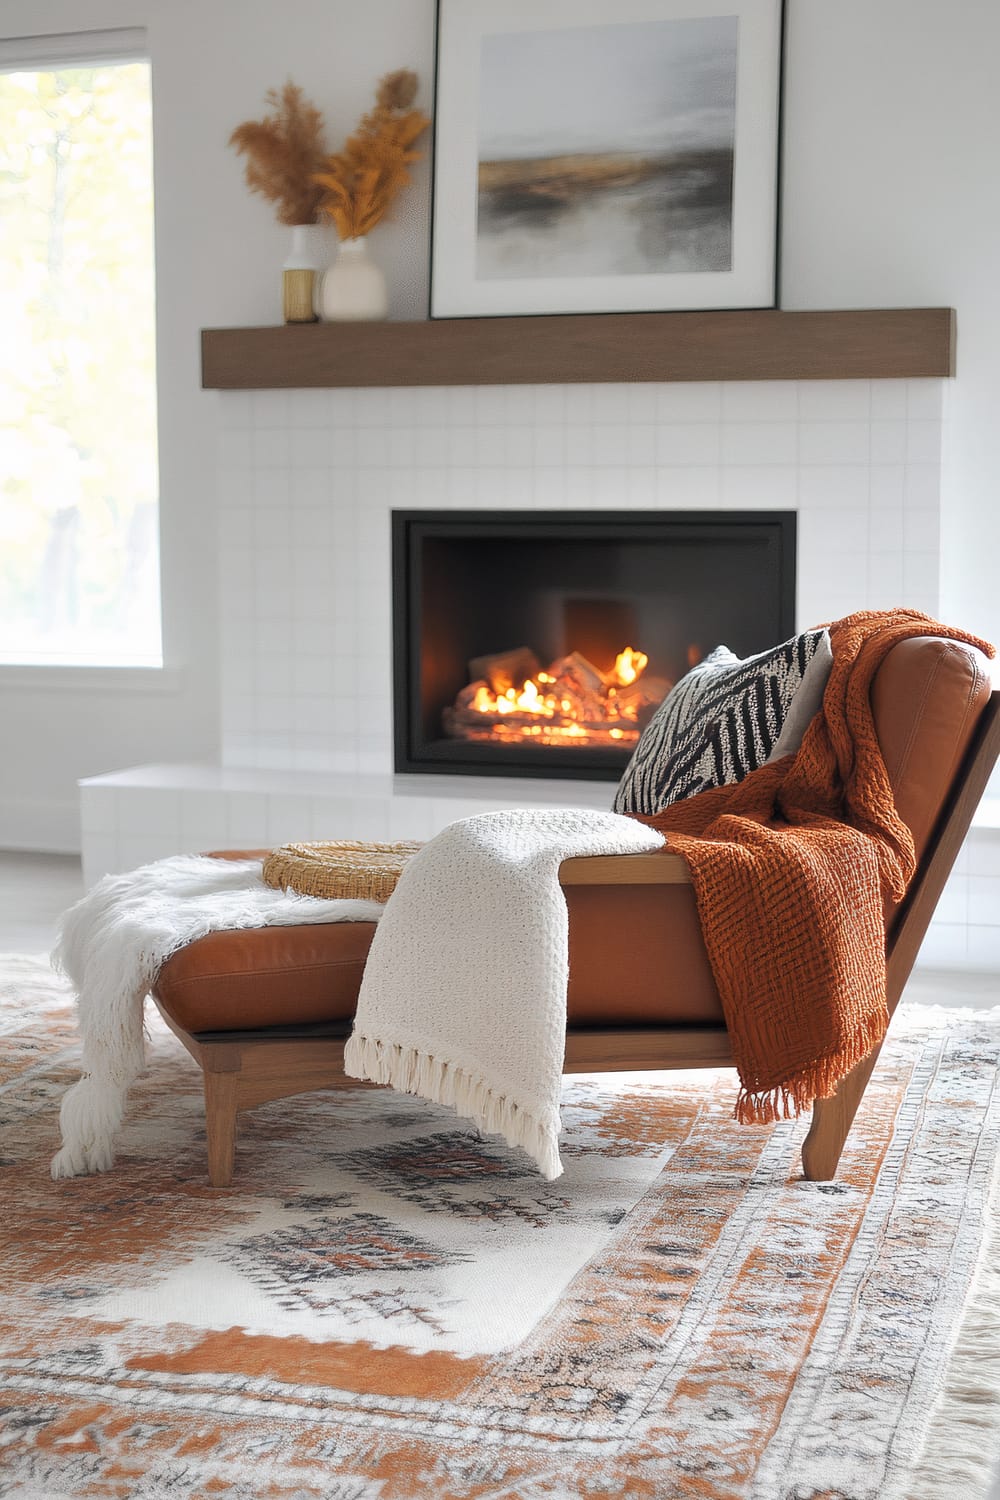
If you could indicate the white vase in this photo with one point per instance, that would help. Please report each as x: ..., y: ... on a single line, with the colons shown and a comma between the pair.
x: 302, y: 270
x: 353, y: 289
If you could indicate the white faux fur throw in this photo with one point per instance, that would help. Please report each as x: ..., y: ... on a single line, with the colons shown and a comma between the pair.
x: 463, y: 999
x: 112, y: 945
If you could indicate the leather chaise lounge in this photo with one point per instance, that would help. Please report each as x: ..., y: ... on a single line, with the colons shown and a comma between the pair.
x: 265, y: 1012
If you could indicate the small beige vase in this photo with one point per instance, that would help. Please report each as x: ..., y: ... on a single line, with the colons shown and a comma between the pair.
x: 354, y: 288
x: 307, y: 259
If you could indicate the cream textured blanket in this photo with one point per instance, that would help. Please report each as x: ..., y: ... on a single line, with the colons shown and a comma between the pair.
x: 463, y: 999
x: 112, y: 945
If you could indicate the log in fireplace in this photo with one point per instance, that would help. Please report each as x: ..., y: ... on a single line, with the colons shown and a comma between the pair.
x: 539, y: 643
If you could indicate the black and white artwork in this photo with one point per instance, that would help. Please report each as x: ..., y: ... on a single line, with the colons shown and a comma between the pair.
x: 592, y: 156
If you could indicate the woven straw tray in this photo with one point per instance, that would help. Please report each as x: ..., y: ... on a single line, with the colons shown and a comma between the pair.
x: 358, y: 871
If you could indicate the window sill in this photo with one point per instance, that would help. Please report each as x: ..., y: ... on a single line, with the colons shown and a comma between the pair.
x: 87, y: 679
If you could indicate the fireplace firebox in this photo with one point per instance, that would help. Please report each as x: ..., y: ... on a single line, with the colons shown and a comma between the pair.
x: 538, y: 643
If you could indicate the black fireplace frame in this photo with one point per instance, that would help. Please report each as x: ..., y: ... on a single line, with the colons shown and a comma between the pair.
x: 410, y: 527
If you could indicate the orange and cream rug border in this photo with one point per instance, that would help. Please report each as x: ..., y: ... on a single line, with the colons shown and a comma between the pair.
x: 387, y: 1305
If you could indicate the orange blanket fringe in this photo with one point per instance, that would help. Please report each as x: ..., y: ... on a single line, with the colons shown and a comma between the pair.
x: 791, y: 868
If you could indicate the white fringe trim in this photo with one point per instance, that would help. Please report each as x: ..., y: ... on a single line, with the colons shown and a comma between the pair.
x: 961, y: 1451
x: 90, y: 1114
x: 111, y: 946
x: 434, y: 1078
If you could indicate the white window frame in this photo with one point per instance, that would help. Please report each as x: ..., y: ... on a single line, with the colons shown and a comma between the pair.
x: 65, y: 50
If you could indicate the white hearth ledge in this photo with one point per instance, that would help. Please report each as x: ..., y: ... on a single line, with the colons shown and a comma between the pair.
x: 147, y: 812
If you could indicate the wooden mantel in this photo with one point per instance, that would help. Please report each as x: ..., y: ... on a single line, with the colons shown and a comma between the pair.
x: 893, y: 343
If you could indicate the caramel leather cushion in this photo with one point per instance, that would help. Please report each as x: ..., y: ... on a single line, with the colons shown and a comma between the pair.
x: 636, y: 953
x: 265, y: 976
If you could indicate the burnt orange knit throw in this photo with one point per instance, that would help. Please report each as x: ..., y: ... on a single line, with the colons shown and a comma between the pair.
x: 790, y: 868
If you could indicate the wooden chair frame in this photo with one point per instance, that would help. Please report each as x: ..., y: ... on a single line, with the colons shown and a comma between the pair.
x: 244, y: 1069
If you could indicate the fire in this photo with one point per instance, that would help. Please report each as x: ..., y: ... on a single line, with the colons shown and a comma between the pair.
x: 570, y: 703
x: 629, y: 665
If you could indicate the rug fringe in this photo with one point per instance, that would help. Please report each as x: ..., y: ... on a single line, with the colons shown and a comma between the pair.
x: 962, y: 1444
x: 415, y: 1072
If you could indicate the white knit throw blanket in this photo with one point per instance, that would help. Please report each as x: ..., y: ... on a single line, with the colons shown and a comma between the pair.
x: 463, y: 999
x: 111, y: 946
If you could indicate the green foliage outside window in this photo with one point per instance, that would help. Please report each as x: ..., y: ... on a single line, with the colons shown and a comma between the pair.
x: 78, y: 474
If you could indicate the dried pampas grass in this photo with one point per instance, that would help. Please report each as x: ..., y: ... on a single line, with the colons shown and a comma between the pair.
x: 359, y: 182
x: 284, y: 152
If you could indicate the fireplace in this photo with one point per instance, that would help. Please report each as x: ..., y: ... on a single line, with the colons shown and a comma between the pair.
x: 539, y: 643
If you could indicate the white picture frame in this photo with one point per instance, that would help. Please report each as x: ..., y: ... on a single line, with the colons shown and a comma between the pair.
x: 605, y: 156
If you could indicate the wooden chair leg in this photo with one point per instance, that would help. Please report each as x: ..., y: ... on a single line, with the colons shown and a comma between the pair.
x: 220, y: 1125
x: 832, y: 1119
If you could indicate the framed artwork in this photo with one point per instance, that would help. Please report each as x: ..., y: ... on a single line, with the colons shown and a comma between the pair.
x: 605, y: 155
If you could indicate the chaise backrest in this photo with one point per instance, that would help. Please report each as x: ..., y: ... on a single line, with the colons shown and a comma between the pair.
x: 938, y: 722
x: 928, y: 698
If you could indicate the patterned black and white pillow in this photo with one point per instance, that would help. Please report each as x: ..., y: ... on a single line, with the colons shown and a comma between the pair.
x: 725, y: 718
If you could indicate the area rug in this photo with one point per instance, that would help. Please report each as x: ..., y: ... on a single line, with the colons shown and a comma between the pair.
x: 387, y: 1305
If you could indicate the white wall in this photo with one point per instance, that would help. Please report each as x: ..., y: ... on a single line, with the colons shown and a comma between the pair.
x: 890, y: 198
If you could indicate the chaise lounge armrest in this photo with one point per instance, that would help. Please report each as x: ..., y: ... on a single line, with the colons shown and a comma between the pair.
x: 625, y: 869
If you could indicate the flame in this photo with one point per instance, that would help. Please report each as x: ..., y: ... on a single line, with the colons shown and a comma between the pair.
x: 530, y: 700
x: 629, y: 665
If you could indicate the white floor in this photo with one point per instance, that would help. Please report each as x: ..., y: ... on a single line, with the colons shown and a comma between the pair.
x: 35, y: 889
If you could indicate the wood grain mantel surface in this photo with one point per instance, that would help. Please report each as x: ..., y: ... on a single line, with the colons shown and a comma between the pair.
x: 893, y: 343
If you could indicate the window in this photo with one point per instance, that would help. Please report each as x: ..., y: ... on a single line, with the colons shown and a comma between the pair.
x: 79, y: 555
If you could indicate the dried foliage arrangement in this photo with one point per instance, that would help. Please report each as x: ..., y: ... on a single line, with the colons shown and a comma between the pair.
x: 359, y: 182
x: 284, y: 152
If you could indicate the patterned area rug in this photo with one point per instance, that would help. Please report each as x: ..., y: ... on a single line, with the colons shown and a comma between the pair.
x: 388, y: 1306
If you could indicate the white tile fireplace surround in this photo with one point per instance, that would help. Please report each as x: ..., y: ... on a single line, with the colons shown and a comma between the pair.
x: 307, y: 480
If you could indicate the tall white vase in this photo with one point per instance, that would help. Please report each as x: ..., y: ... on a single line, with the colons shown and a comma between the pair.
x: 354, y: 288
x: 307, y: 259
